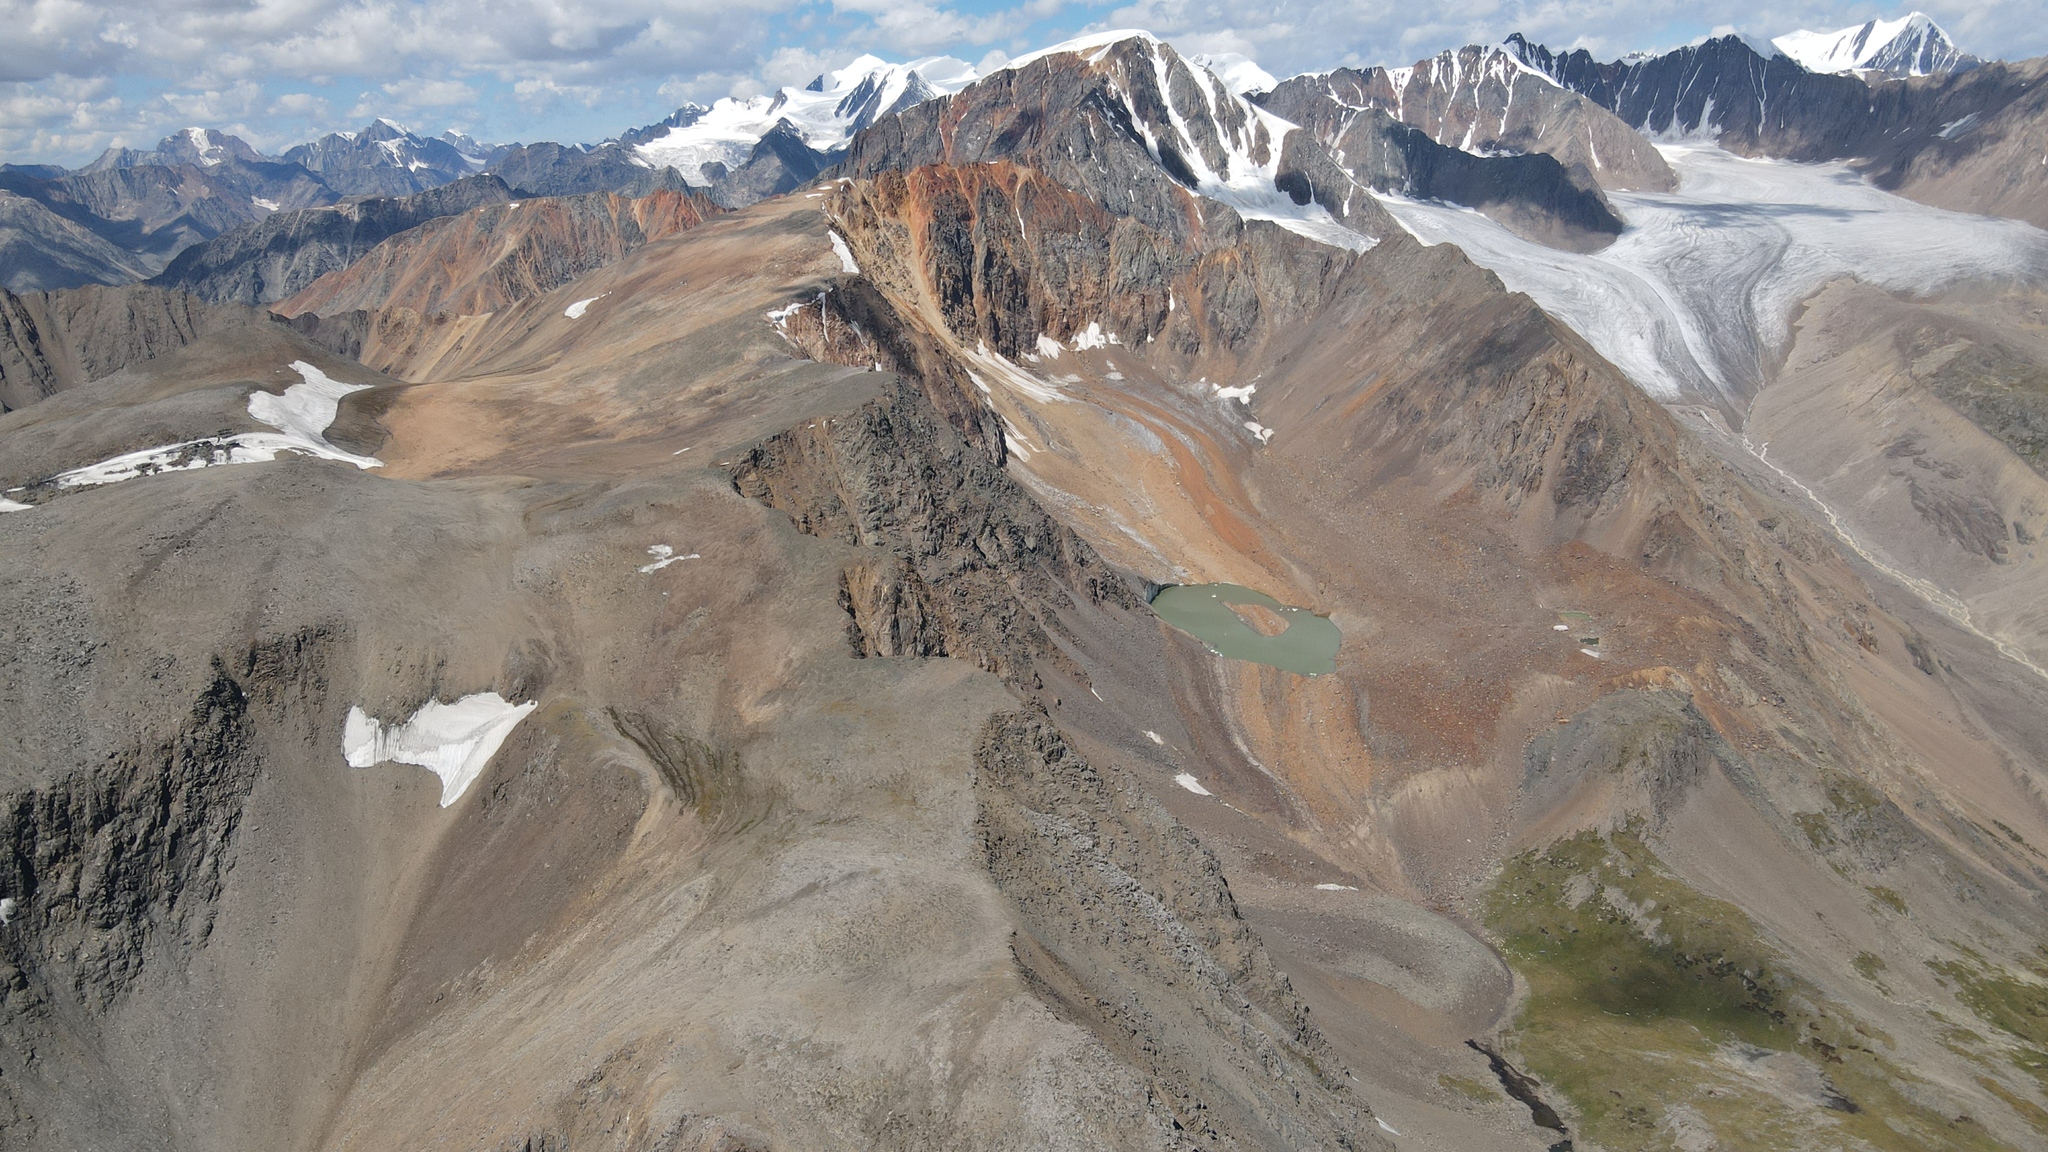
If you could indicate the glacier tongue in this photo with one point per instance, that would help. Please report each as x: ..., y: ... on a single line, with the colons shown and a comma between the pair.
x: 1696, y: 297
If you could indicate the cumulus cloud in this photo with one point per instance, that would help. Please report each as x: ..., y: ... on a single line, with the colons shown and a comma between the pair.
x: 76, y: 75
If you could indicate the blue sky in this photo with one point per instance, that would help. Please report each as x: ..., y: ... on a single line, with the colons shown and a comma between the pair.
x: 76, y: 76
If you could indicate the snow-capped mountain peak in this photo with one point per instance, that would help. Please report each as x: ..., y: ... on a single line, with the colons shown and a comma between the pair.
x: 1239, y: 73
x: 1912, y: 45
x: 824, y: 113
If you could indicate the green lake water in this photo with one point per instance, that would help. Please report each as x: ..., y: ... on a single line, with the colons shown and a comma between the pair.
x: 1308, y: 646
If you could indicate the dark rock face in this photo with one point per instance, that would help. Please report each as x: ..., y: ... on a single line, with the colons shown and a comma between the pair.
x: 1934, y: 138
x: 1484, y: 101
x: 266, y: 261
x: 1195, y: 1002
x: 978, y: 570
x: 1532, y: 194
x: 50, y: 341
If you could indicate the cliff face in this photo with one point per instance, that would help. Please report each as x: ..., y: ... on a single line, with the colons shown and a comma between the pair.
x: 484, y: 259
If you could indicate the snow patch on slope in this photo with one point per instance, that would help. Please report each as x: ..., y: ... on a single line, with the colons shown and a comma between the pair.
x: 847, y: 263
x: 453, y: 741
x: 301, y: 416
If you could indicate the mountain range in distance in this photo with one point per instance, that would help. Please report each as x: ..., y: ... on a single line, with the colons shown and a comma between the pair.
x: 130, y: 213
x: 1115, y: 601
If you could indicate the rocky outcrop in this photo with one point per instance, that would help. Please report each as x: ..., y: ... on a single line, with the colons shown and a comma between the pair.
x: 1952, y: 140
x: 1482, y: 100
x: 269, y: 260
x: 1003, y: 254
x: 1129, y: 929
x: 981, y: 572
x: 50, y: 341
x: 487, y: 258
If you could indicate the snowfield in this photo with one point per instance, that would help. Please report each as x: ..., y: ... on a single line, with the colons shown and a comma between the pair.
x: 453, y: 741
x: 1696, y: 297
x: 301, y: 416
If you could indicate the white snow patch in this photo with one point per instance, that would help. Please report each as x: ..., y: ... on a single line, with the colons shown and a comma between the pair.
x: 1385, y: 1127
x: 845, y: 254
x: 1561, y: 627
x: 1242, y: 392
x: 266, y: 205
x: 1696, y: 296
x: 1336, y: 888
x: 1091, y: 43
x: 1591, y: 652
x: 665, y: 555
x: 1153, y: 736
x: 1237, y: 72
x: 1049, y: 347
x: 1093, y: 337
x: 575, y: 311
x: 7, y: 907
x: 1188, y: 781
x: 7, y: 505
x: 453, y: 741
x: 300, y: 416
x: 1259, y: 431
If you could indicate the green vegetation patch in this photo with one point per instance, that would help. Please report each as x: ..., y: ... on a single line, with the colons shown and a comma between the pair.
x: 2013, y: 1004
x: 1657, y: 1011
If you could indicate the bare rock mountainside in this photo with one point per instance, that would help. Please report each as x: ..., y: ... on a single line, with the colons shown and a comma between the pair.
x: 1120, y: 613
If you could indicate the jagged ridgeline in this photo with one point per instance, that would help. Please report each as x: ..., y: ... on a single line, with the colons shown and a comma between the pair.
x: 651, y: 647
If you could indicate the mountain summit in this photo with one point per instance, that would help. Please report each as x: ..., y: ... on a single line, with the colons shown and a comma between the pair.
x: 1912, y: 45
